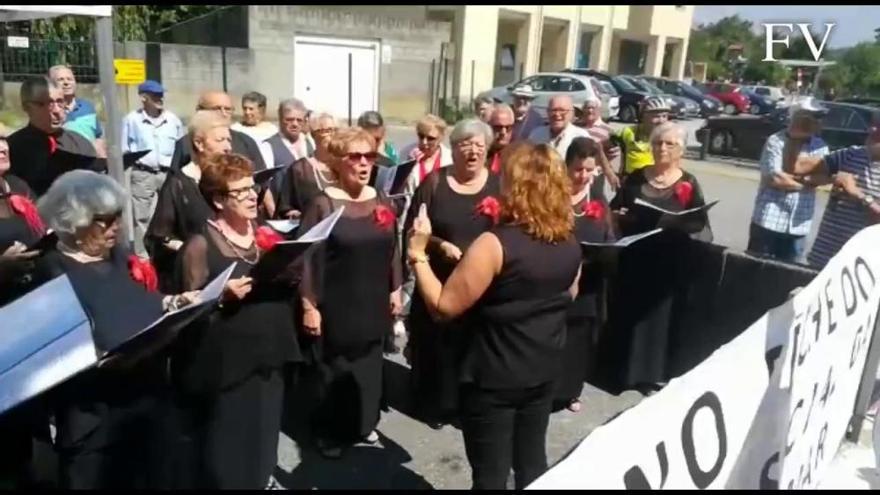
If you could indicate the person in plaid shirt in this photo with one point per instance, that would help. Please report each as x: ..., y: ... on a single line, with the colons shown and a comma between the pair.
x: 784, y: 205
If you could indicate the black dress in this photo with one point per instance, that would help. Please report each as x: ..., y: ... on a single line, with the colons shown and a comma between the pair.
x: 583, y: 318
x: 226, y: 371
x: 635, y: 351
x: 181, y: 211
x: 19, y: 426
x: 299, y: 185
x: 351, y: 278
x: 436, y: 348
x: 15, y: 278
x: 110, y: 421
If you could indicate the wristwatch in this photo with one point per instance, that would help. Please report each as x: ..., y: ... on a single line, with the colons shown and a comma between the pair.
x: 415, y: 259
x: 867, y: 200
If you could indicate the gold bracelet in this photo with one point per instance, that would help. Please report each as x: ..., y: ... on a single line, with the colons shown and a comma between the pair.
x: 420, y: 258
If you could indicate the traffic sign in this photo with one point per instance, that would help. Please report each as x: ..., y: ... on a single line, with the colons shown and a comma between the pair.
x: 130, y: 71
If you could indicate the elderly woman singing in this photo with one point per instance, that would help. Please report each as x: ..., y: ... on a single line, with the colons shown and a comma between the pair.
x: 110, y: 419
x: 462, y: 203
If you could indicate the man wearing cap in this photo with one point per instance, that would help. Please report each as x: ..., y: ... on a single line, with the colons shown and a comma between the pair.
x: 526, y: 118
x: 784, y: 206
x: 150, y: 128
x: 636, y: 140
x: 43, y: 150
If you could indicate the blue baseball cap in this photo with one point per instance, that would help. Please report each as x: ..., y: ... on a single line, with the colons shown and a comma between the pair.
x: 151, y: 86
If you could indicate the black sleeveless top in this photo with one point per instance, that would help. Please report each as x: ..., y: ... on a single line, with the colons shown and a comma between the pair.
x: 521, y: 329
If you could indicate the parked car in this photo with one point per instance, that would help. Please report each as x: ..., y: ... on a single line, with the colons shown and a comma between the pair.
x: 861, y: 100
x: 613, y: 98
x: 548, y: 84
x: 772, y: 92
x: 759, y: 105
x: 631, y: 97
x: 844, y: 125
x: 729, y: 94
x: 708, y: 105
x: 683, y: 108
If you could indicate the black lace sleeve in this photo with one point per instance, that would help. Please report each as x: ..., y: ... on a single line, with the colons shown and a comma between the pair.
x: 396, y: 259
x: 313, y: 265
x: 164, y: 222
x: 193, y: 268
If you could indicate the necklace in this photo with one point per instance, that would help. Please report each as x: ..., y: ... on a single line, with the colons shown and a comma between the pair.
x: 662, y: 182
x: 581, y: 196
x: 238, y: 253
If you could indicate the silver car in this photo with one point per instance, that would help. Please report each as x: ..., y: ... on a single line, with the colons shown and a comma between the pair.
x: 548, y: 84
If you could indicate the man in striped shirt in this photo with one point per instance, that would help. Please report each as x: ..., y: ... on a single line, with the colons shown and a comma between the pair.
x: 854, y: 201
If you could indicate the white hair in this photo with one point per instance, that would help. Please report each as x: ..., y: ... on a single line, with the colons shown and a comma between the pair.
x: 502, y: 108
x: 468, y: 128
x: 203, y: 121
x: 316, y: 117
x: 35, y: 88
x: 667, y: 127
x: 291, y: 104
x: 75, y: 198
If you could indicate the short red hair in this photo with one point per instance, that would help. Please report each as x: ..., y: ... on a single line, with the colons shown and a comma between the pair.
x: 219, y: 170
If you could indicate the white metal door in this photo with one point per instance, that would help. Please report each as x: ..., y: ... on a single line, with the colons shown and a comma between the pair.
x: 320, y: 74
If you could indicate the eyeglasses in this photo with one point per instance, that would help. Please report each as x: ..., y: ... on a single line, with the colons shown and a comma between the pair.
x: 357, y: 157
x: 107, y: 221
x: 468, y: 145
x: 242, y: 193
x: 499, y: 128
x: 59, y: 103
x: 668, y: 144
x: 220, y: 108
x: 558, y: 111
x: 426, y: 137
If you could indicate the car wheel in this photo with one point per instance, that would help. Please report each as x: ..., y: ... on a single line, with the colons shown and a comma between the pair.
x: 730, y: 109
x: 754, y: 110
x: 719, y: 142
x: 628, y: 113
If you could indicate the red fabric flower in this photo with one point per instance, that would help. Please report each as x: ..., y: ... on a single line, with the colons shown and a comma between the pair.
x: 142, y: 272
x: 684, y: 192
x: 53, y: 144
x: 266, y: 238
x: 384, y: 217
x: 25, y: 208
x: 594, y: 209
x: 490, y: 207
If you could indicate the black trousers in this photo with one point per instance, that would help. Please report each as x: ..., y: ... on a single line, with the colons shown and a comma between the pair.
x: 230, y: 440
x: 504, y: 429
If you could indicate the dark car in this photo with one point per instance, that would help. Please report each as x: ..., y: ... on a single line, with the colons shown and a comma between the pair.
x: 860, y: 100
x: 844, y: 125
x: 709, y: 105
x: 682, y: 108
x: 631, y: 97
x: 759, y: 105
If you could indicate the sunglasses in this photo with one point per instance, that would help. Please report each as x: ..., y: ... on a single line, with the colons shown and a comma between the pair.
x: 357, y: 157
x: 499, y: 128
x: 427, y: 137
x: 106, y: 221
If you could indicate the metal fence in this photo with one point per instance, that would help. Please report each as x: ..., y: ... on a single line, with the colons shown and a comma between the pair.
x: 19, y: 63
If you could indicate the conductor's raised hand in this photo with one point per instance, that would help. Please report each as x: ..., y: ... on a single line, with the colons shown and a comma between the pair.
x: 420, y: 233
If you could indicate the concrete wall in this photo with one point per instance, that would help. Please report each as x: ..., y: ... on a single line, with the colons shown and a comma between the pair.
x: 404, y: 83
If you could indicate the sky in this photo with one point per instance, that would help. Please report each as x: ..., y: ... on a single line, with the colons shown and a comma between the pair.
x: 855, y: 23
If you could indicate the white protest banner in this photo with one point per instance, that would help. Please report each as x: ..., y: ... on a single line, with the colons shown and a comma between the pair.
x: 767, y: 410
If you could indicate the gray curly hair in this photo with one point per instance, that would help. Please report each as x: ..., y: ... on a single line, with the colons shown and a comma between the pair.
x: 75, y: 198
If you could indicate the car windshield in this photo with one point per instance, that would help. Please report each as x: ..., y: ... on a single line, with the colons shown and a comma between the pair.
x: 690, y: 90
x: 609, y: 88
x: 648, y: 86
x: 626, y: 85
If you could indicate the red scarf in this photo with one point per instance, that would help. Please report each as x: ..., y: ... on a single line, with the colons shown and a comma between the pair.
x: 495, y: 167
x: 423, y: 172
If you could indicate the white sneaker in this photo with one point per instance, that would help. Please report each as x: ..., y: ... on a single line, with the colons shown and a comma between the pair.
x: 399, y: 329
